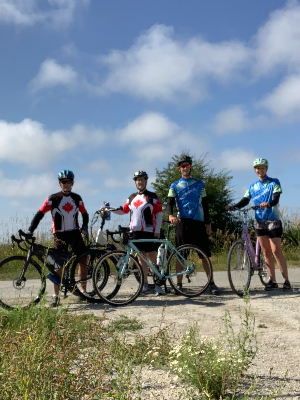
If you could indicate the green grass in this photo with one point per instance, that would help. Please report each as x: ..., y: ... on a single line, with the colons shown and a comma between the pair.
x: 50, y: 354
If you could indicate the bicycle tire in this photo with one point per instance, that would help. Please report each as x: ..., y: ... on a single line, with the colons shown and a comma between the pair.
x: 196, y: 282
x: 119, y: 291
x: 20, y: 294
x: 239, y: 268
x: 263, y: 271
x: 84, y: 264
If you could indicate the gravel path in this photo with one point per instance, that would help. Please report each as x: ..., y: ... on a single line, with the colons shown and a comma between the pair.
x: 278, y: 331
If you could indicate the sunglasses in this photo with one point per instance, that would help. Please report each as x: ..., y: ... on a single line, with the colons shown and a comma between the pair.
x: 185, y: 165
x: 66, y: 181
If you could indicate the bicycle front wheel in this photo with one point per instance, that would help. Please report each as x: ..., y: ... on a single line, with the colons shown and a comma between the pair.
x: 81, y: 275
x: 18, y: 290
x: 118, y: 290
x: 263, y: 272
x: 239, y: 268
x: 197, y: 265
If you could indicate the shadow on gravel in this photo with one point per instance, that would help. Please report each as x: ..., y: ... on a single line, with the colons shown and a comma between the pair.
x: 266, y: 384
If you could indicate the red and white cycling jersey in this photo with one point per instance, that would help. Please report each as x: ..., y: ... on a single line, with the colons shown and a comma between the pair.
x: 146, y: 212
x: 64, y: 210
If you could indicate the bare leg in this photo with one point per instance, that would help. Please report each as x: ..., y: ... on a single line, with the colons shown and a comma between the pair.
x: 152, y: 258
x: 83, y: 273
x: 275, y: 244
x: 268, y: 254
x: 205, y: 264
x: 55, y: 287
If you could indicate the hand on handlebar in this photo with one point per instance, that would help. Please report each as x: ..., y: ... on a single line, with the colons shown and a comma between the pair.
x: 264, y: 205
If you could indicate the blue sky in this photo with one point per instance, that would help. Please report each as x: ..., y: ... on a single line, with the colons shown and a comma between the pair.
x: 106, y: 88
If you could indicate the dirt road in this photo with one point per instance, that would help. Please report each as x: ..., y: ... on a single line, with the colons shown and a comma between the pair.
x: 277, y: 320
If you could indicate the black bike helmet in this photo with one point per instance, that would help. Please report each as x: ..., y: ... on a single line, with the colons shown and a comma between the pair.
x: 140, y: 173
x: 184, y: 159
x: 66, y: 174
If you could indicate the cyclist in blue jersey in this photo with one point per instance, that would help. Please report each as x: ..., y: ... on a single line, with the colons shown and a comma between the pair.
x: 193, y: 220
x: 265, y: 193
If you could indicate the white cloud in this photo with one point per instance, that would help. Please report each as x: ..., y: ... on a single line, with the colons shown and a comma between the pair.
x: 158, y: 66
x: 29, y: 143
x: 231, y: 120
x: 236, y: 159
x: 28, y: 12
x: 33, y: 185
x: 277, y: 42
x: 52, y: 74
x: 149, y: 127
x: 285, y: 99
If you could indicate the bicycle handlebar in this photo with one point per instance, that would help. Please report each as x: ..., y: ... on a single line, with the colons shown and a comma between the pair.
x: 244, y: 210
x: 24, y: 237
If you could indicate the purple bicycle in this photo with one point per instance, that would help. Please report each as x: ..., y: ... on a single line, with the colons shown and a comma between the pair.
x: 244, y: 260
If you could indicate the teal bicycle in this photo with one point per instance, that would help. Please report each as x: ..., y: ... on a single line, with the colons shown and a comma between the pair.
x: 183, y: 264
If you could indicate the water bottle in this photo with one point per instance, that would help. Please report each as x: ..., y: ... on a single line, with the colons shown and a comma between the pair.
x: 160, y: 254
x: 107, y: 218
x: 53, y: 279
x: 52, y: 262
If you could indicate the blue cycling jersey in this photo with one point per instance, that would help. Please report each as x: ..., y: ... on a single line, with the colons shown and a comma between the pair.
x: 262, y: 191
x: 188, y: 194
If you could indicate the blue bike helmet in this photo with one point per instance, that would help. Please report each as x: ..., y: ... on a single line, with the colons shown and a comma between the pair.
x: 66, y: 174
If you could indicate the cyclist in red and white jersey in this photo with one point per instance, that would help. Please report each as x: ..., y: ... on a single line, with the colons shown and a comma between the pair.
x: 145, y: 222
x: 65, y: 207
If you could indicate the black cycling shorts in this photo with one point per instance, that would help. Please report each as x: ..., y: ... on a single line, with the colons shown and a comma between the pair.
x: 148, y: 247
x: 273, y: 229
x: 62, y: 241
x: 191, y: 231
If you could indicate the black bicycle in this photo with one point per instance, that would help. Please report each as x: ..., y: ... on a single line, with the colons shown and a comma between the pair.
x: 23, y: 278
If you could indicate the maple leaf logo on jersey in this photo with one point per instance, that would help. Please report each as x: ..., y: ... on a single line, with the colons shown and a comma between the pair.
x: 67, y: 207
x: 137, y: 203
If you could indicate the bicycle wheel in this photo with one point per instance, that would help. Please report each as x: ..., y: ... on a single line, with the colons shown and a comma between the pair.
x: 239, y: 268
x: 263, y: 272
x: 81, y: 275
x: 24, y: 292
x: 196, y: 280
x: 118, y: 291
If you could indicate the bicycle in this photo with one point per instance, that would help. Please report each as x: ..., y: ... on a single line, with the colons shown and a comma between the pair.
x: 128, y: 278
x: 243, y: 260
x: 23, y: 280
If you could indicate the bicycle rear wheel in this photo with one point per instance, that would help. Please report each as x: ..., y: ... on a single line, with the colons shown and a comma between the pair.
x: 17, y: 291
x: 118, y: 291
x: 239, y: 268
x: 263, y: 272
x: 197, y: 280
x: 81, y: 276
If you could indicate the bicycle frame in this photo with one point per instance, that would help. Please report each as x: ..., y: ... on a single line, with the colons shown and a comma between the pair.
x: 254, y: 255
x: 161, y: 275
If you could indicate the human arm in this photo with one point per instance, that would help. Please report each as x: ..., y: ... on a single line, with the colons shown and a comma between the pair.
x: 273, y: 202
x: 242, y: 203
x: 158, y: 212
x: 170, y: 208
x: 206, y: 215
x: 35, y: 221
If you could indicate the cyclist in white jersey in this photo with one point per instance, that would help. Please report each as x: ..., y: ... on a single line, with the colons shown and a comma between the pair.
x: 265, y: 193
x: 145, y: 210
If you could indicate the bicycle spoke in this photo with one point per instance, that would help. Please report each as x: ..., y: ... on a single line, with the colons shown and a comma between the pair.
x: 119, y: 290
x: 16, y: 290
x: 197, y: 279
x: 239, y: 268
